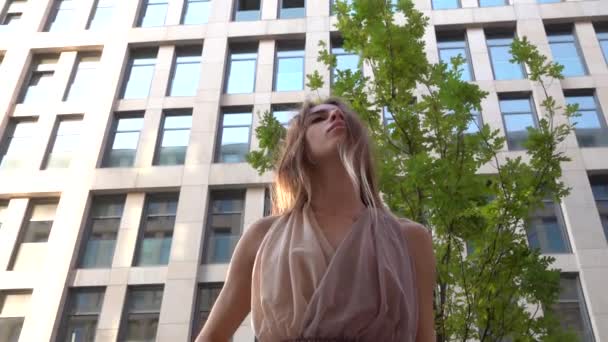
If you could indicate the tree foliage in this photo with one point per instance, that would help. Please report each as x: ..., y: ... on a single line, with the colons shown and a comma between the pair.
x: 429, y: 170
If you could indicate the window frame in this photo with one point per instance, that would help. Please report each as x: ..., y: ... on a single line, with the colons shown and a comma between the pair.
x: 245, y: 48
x: 289, y: 46
x: 142, y: 53
x: 502, y: 34
x: 143, y: 8
x: 208, y: 231
x: 67, y: 313
x: 280, y: 10
x: 161, y: 134
x: 561, y: 223
x: 459, y: 5
x: 182, y: 20
x: 111, y: 136
x: 449, y: 36
x: 517, y: 96
x: 220, y: 131
x: 126, y: 310
x: 191, y: 51
x: 235, y: 11
x: 9, y: 134
x: 149, y: 197
x: 50, y: 146
x: 551, y: 30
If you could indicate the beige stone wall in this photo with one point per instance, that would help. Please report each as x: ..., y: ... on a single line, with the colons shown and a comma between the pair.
x: 75, y: 185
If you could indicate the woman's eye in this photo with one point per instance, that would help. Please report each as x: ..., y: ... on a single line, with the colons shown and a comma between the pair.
x: 317, y: 119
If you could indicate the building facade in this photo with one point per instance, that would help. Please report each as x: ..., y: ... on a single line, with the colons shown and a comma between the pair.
x: 124, y: 125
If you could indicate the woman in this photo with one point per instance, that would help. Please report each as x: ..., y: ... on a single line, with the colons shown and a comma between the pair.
x: 333, y: 264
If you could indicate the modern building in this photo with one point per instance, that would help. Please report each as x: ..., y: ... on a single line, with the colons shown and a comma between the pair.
x: 124, y: 124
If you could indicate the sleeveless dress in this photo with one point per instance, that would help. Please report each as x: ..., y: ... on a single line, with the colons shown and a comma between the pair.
x: 304, y: 290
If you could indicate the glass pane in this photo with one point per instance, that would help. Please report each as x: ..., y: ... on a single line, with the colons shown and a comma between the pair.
x: 347, y: 62
x: 185, y: 79
x: 98, y: 253
x: 587, y: 119
x: 290, y: 74
x: 545, y: 233
x: 154, y: 251
x: 86, y: 302
x: 446, y: 56
x: 121, y: 158
x: 292, y: 9
x: 39, y: 89
x: 125, y: 141
x: 161, y: 206
x: 130, y: 124
x: 235, y: 139
x: 142, y: 329
x: 10, y: 328
x: 604, y: 46
x: 283, y: 116
x: 172, y: 155
x: 102, y: 18
x: 566, y: 54
x: 37, y: 231
x: 178, y: 121
x: 247, y: 10
x: 176, y: 138
x: 154, y: 14
x: 515, y: 106
x: 108, y: 208
x: 487, y: 3
x: 197, y: 12
x: 140, y: 79
x: 236, y: 119
x: 445, y: 4
x: 145, y: 300
x: 584, y: 102
x: 82, y: 86
x: 64, y: 17
x: 241, y: 78
x: 501, y: 65
x: 81, y: 329
x: 518, y: 122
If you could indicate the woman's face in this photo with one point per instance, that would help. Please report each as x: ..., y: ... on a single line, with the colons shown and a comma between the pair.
x: 321, y: 136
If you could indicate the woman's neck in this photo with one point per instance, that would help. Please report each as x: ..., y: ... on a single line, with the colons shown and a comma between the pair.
x: 333, y: 193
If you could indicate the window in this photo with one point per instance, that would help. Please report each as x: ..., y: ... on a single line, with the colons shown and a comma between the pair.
x: 599, y: 187
x: 387, y: 119
x: 17, y: 144
x: 564, y: 49
x: 81, y: 314
x: 292, y: 9
x: 445, y: 4
x: 142, y: 310
x: 141, y: 71
x: 34, y: 235
x: 186, y: 71
x: 547, y: 1
x: 40, y: 85
x: 196, y: 12
x: 546, y: 229
x: 102, y: 16
x: 125, y: 139
x: 65, y: 142
x: 245, y: 10
x: 12, y: 15
x: 14, y: 306
x: 82, y: 86
x: 590, y: 126
x: 157, y: 231
x: 153, y: 13
x: 225, y: 225
x: 475, y: 124
x: 3, y: 209
x: 62, y: 16
x: 602, y: 36
x: 289, y: 66
x: 517, y: 114
x: 452, y: 45
x: 267, y: 203
x: 570, y: 307
x: 235, y: 135
x: 499, y: 48
x: 102, y: 230
x: 344, y: 60
x: 207, y: 295
x: 284, y: 113
x: 174, y: 138
x: 241, y: 69
x: 489, y: 3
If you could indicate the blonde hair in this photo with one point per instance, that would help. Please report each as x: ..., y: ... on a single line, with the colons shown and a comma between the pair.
x: 291, y: 188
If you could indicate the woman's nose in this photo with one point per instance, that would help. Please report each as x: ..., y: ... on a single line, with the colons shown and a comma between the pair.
x: 336, y: 114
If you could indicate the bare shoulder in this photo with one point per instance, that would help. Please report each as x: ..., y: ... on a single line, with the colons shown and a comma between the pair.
x: 253, y: 236
x: 419, y: 241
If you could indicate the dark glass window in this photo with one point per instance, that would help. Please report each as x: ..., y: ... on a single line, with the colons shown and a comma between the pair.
x: 224, y: 226
x: 102, y: 231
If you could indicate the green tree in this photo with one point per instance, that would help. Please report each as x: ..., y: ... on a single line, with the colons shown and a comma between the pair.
x: 429, y: 169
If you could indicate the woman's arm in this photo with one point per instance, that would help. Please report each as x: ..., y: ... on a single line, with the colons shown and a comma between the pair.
x: 234, y: 300
x: 420, y: 245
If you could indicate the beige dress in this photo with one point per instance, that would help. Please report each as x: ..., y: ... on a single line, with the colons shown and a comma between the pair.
x: 362, y: 291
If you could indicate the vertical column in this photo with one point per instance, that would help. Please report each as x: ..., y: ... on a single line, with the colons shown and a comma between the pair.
x: 270, y: 9
x: 310, y: 62
x: 174, y: 12
x: 111, y: 313
x: 14, y: 216
x: 127, y: 232
x: 590, y: 48
x: 480, y: 57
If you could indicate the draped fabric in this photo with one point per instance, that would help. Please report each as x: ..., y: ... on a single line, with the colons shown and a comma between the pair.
x: 361, y: 291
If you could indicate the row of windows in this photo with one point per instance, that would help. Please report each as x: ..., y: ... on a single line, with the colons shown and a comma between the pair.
x: 450, y: 4
x: 562, y: 41
x: 141, y: 311
x: 83, y: 307
x: 155, y: 235
x: 152, y: 13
